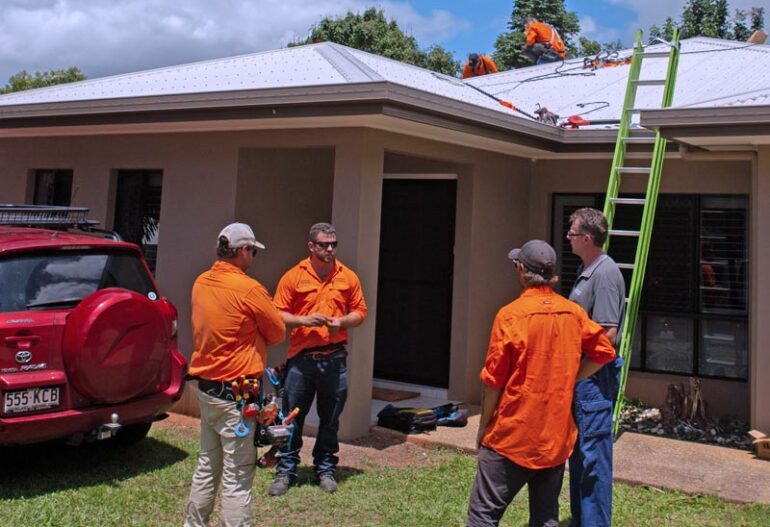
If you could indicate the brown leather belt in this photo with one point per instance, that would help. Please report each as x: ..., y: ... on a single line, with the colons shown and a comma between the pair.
x: 323, y: 352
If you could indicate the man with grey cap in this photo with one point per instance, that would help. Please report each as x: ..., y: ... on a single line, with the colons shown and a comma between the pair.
x: 526, y: 432
x: 233, y: 322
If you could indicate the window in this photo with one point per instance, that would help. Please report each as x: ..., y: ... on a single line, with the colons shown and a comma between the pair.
x: 137, y: 210
x: 55, y: 279
x: 694, y: 310
x: 52, y: 187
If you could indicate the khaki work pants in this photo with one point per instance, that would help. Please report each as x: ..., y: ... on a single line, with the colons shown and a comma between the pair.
x: 224, y: 457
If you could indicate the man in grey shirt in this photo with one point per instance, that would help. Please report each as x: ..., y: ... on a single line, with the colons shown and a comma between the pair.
x: 601, y: 291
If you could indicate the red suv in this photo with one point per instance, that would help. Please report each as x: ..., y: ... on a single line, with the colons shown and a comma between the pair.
x: 88, y: 347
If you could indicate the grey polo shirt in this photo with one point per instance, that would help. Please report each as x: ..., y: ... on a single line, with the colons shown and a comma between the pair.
x: 601, y: 291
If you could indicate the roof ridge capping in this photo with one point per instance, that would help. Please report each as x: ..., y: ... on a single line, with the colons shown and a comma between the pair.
x: 340, y: 58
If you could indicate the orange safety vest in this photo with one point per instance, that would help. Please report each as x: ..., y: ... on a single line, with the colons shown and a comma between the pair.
x: 542, y: 33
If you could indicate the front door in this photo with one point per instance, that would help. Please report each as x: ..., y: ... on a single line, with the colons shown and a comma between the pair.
x: 414, y: 290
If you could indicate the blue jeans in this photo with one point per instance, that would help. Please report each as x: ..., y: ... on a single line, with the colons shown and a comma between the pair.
x: 306, y: 377
x: 590, y: 466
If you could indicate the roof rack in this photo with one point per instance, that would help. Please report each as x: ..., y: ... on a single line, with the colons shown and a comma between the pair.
x: 36, y: 215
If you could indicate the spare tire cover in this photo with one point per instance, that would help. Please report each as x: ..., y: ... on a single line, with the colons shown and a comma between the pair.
x: 115, y: 346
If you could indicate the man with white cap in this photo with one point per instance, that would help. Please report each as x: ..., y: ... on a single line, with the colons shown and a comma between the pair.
x: 526, y: 432
x: 233, y: 321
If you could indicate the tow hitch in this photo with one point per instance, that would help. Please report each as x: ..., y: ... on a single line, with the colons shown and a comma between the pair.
x: 109, y: 430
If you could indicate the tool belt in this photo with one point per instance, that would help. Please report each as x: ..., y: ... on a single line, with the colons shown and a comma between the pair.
x: 324, y: 352
x: 224, y: 389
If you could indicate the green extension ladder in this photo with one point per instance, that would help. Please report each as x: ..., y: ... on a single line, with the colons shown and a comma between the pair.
x: 649, y: 202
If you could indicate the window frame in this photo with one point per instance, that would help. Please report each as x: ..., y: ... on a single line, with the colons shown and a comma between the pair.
x: 695, y: 314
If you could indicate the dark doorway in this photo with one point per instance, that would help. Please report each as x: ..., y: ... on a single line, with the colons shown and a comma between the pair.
x: 137, y: 210
x: 414, y: 290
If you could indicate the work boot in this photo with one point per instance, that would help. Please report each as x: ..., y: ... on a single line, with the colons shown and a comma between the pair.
x: 279, y: 486
x: 327, y: 483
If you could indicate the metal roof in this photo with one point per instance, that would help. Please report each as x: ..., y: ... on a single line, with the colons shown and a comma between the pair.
x: 712, y: 72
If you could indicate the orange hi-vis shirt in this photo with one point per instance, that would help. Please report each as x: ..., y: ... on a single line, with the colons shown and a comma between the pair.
x: 540, y: 32
x: 301, y: 292
x: 233, y: 322
x: 534, y: 355
x: 483, y: 66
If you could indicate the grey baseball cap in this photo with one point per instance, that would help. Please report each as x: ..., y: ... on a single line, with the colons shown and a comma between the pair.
x: 537, y: 257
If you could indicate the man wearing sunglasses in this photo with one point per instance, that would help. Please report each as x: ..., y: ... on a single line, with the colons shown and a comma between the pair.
x: 233, y: 321
x: 320, y: 299
x: 601, y: 291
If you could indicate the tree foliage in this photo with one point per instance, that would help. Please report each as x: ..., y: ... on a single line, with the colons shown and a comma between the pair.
x: 704, y: 17
x: 710, y: 18
x: 740, y: 29
x: 588, y: 47
x: 757, y: 18
x: 508, y: 46
x: 666, y: 32
x: 371, y: 31
x: 27, y: 81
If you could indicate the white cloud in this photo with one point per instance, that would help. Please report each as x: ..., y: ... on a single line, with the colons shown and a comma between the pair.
x: 105, y: 37
x: 591, y: 29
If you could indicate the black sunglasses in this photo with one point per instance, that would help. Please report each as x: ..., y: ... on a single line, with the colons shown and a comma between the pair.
x: 325, y: 245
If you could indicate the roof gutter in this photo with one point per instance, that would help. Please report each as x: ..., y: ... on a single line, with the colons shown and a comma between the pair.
x: 718, y: 121
x: 322, y: 100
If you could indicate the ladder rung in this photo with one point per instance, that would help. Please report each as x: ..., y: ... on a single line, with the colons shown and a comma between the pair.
x: 644, y: 139
x: 625, y: 266
x: 650, y: 82
x: 614, y: 232
x: 628, y: 201
x: 655, y: 54
x: 633, y: 170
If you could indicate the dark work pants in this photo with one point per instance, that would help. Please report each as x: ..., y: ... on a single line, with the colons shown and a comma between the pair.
x: 590, y: 466
x: 498, y: 480
x: 540, y: 54
x: 306, y: 377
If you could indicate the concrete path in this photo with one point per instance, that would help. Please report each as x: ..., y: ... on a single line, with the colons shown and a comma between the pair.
x: 732, y: 475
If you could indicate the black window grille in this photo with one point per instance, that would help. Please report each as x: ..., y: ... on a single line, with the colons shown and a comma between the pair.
x: 137, y: 210
x: 52, y: 187
x: 694, y: 310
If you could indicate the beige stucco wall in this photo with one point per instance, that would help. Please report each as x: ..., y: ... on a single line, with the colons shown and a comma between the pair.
x: 280, y: 182
x: 759, y: 327
x: 685, y: 176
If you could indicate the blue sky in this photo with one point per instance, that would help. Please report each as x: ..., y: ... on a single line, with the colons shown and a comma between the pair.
x: 602, y: 20
x: 107, y: 37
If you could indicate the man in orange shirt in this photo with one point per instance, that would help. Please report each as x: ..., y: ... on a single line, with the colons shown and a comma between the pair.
x: 320, y: 299
x: 544, y: 44
x: 526, y: 431
x: 233, y: 321
x: 478, y: 65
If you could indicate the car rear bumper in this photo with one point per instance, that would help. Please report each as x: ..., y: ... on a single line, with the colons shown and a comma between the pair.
x: 65, y: 423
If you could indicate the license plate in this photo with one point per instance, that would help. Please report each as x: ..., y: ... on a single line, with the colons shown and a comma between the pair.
x: 30, y: 400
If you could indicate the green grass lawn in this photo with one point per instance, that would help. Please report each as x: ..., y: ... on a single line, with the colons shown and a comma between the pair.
x: 147, y: 485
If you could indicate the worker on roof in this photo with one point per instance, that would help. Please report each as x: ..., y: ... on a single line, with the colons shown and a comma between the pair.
x: 478, y: 65
x: 544, y: 44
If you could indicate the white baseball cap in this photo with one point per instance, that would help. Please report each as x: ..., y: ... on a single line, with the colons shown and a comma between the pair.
x: 240, y: 235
